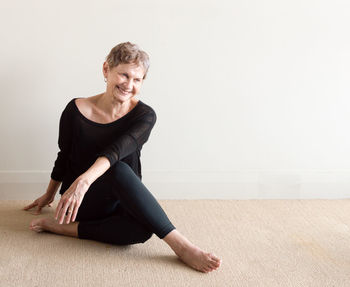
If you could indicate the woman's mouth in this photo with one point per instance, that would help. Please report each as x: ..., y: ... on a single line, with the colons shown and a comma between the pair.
x: 124, y: 92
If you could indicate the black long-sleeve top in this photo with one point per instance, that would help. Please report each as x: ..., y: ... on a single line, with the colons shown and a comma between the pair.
x: 81, y: 141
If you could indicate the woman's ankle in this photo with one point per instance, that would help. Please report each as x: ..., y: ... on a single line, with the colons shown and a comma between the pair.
x: 177, y: 241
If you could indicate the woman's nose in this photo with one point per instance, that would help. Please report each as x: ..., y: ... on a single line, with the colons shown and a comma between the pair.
x: 129, y: 84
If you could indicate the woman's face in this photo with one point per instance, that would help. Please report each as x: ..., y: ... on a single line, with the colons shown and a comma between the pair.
x: 123, y: 81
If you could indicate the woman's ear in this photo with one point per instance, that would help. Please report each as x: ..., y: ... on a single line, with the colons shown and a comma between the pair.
x: 105, y: 69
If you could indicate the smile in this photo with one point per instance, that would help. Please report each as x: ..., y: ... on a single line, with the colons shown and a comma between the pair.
x: 123, y: 91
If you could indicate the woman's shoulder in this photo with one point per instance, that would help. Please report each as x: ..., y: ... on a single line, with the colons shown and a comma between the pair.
x: 145, y: 108
x: 145, y: 111
x: 84, y: 106
x: 70, y: 107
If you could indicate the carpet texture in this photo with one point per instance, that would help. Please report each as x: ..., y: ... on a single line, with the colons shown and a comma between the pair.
x: 261, y: 242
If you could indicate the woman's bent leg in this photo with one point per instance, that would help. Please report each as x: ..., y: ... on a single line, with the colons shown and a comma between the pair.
x: 138, y: 201
x: 118, y: 229
x: 102, y: 218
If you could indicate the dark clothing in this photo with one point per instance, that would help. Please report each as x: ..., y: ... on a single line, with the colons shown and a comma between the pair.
x: 117, y: 208
x: 82, y: 141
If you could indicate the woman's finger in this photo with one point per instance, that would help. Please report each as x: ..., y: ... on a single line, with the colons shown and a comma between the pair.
x: 59, y: 206
x: 69, y: 213
x: 63, y: 212
x: 59, y: 215
x: 75, y: 212
x: 30, y: 206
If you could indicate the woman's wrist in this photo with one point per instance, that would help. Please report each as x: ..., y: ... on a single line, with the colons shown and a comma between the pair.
x: 53, y: 187
x: 95, y: 171
x: 84, y: 180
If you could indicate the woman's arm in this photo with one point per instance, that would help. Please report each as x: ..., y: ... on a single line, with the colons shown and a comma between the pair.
x: 72, y: 198
x: 100, y: 166
x: 65, y: 134
x: 133, y: 139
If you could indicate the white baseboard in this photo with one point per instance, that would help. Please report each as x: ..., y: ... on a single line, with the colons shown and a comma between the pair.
x: 251, y: 184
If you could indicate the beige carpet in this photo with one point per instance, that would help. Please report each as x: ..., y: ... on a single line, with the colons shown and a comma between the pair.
x: 262, y: 243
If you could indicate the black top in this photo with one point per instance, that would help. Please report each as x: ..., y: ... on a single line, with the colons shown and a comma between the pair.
x: 82, y: 141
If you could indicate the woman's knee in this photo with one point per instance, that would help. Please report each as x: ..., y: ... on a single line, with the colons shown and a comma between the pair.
x: 121, y: 166
x: 121, y: 169
x: 122, y: 173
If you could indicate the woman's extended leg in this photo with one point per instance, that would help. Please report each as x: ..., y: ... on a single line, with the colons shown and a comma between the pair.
x: 137, y: 200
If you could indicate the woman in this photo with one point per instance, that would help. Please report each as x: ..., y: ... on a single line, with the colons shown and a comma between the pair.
x: 100, y: 139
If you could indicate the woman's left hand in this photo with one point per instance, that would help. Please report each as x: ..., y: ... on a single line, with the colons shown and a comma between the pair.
x: 71, y: 201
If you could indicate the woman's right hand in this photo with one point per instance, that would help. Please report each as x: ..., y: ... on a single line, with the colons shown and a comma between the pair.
x: 41, y: 202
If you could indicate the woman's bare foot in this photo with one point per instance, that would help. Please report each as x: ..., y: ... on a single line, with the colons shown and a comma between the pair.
x: 51, y: 225
x: 190, y: 254
x: 199, y: 260
x: 37, y: 225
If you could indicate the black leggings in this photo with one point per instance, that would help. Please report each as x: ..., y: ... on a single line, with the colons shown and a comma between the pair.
x: 119, y: 209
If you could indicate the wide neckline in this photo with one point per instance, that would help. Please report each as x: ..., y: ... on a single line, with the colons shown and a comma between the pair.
x: 103, y: 124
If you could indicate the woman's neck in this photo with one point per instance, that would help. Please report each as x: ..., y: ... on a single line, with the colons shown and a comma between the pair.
x: 112, y: 108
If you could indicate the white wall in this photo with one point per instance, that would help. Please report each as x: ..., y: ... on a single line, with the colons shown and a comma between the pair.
x: 252, y: 97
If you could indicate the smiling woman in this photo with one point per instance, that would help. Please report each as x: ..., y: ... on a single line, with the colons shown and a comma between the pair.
x: 100, y: 141
x: 123, y: 81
